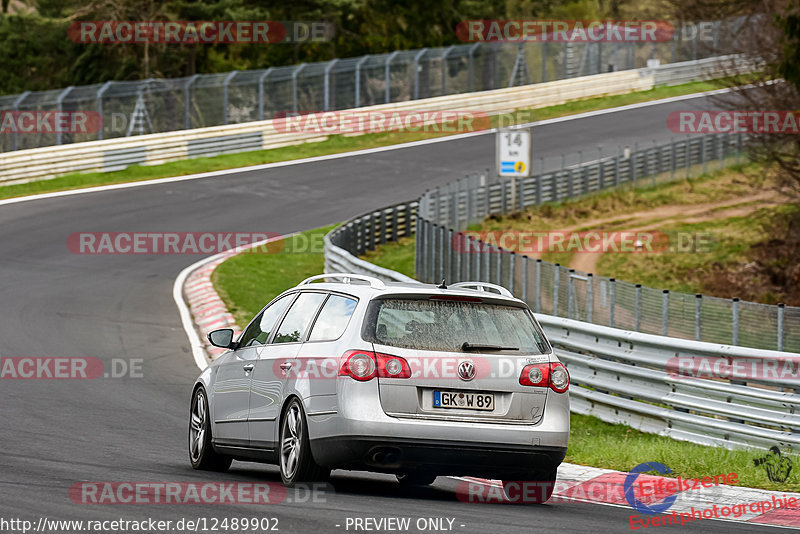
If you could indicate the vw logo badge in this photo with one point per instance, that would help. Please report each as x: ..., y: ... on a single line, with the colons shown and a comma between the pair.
x: 466, y: 370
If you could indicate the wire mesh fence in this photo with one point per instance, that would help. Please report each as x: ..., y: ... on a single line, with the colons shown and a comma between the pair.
x: 159, y: 105
x: 445, y: 251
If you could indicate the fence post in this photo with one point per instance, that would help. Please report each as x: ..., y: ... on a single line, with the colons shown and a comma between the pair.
x: 524, y: 278
x: 511, y: 266
x: 388, y: 62
x: 664, y: 312
x: 261, y: 92
x: 15, y: 105
x: 611, y: 283
x: 589, y: 297
x: 487, y: 269
x: 556, y: 284
x: 780, y: 325
x: 358, y: 79
x: 187, y: 115
x: 295, y: 74
x: 616, y: 169
x: 601, y: 169
x: 99, y: 98
x: 638, y: 307
x: 571, y: 295
x: 418, y: 249
x: 444, y: 68
x: 703, y: 152
x: 498, y: 275
x: 450, y: 262
x: 225, y: 84
x: 698, y: 309
x: 672, y: 159
x: 470, y: 66
x: 327, y: 83
x: 735, y: 310
x: 544, y: 61
x: 538, y: 299
x: 416, y: 72
x: 478, y: 252
x: 59, y: 104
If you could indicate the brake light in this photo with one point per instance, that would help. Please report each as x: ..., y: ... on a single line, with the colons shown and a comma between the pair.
x: 456, y: 298
x: 553, y: 375
x: 364, y: 365
x: 359, y: 365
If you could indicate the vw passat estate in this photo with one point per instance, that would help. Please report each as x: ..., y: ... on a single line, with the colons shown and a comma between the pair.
x: 413, y: 379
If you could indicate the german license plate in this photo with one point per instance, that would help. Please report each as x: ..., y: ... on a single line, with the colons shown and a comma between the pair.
x: 463, y: 399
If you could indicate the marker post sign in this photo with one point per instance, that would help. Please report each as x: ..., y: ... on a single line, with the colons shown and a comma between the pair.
x: 514, y: 156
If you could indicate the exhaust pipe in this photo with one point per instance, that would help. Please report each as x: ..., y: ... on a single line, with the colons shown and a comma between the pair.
x: 385, y: 457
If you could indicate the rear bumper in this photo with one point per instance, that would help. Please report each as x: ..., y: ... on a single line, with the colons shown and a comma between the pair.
x: 440, y: 457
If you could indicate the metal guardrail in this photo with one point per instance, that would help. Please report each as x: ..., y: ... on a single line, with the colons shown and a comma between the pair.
x: 205, y: 100
x: 634, y: 379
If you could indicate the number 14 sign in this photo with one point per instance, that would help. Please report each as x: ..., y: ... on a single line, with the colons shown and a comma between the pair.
x: 513, y: 152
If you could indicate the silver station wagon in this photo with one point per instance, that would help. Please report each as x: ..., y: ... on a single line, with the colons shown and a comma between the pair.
x: 346, y: 371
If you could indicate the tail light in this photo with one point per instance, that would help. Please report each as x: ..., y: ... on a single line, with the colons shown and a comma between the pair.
x: 364, y: 365
x: 552, y: 375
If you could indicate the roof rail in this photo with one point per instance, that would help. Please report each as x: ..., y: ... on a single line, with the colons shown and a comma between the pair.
x: 375, y: 283
x: 482, y: 286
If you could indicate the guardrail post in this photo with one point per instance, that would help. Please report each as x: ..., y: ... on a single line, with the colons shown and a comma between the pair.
x: 261, y: 92
x: 638, y: 307
x: 358, y: 79
x: 601, y: 169
x: 459, y: 256
x: 440, y: 252
x: 703, y: 152
x: 634, y: 174
x: 59, y: 105
x: 511, y: 266
x: 539, y: 182
x: 698, y: 310
x: 388, y: 81
x: 524, y: 278
x: 672, y: 160
x: 187, y: 106
x: 327, y: 83
x: 418, y: 249
x: 735, y: 310
x: 616, y: 169
x: 538, y: 299
x: 295, y: 74
x: 571, y: 295
x: 688, y: 156
x: 781, y: 307
x: 15, y: 105
x: 477, y: 252
x: 589, y: 297
x: 664, y: 312
x: 99, y: 97
x: 556, y: 284
x: 611, y: 284
x: 225, y: 84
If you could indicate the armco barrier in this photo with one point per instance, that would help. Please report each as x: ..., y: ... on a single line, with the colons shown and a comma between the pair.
x: 115, y: 154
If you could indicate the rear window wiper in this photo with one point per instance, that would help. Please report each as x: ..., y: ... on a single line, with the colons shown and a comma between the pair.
x: 467, y: 346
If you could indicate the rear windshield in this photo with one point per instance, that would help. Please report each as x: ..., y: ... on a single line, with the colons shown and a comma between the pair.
x: 442, y: 325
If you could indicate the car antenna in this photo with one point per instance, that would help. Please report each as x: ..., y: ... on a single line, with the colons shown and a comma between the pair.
x: 442, y: 285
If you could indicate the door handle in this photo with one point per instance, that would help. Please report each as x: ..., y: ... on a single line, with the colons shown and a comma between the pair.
x: 286, y: 366
x: 248, y: 367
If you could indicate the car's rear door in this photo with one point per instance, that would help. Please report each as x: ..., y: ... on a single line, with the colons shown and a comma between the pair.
x: 266, y: 390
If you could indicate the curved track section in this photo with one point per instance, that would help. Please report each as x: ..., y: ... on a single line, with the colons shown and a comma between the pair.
x: 120, y: 307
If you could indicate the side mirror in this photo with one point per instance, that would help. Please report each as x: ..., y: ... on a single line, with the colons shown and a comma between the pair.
x: 223, y: 338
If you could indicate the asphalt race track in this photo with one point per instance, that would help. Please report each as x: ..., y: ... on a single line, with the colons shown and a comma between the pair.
x: 55, y: 303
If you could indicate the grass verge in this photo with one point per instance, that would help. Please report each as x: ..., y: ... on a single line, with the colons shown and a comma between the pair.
x: 333, y: 145
x: 248, y: 281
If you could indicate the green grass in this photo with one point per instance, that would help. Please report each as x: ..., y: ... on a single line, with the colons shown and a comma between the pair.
x: 333, y: 145
x: 397, y: 256
x: 248, y: 281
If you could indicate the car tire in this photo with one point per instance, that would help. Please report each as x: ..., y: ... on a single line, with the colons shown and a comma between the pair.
x: 296, y: 462
x: 201, y: 451
x: 415, y: 478
x: 542, y: 490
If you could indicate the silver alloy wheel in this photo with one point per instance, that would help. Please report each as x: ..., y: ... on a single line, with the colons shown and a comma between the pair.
x: 197, y: 432
x: 291, y: 441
